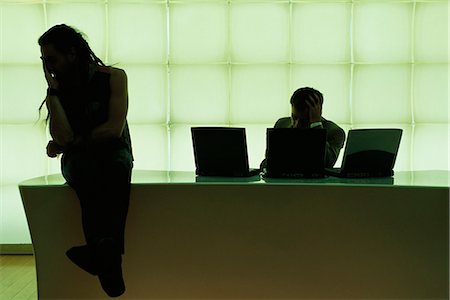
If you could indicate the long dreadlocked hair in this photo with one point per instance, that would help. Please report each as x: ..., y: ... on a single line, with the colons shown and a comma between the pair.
x: 65, y: 38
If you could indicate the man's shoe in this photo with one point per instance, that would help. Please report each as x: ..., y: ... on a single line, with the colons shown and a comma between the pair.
x: 83, y: 257
x: 110, y: 267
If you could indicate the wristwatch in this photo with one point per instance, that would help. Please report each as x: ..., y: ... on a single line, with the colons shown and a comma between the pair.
x: 315, y: 124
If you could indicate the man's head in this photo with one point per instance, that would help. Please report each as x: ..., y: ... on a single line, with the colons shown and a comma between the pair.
x: 64, y: 51
x: 301, y: 102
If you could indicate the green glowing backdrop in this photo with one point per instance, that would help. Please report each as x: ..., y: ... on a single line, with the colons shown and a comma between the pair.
x: 378, y: 64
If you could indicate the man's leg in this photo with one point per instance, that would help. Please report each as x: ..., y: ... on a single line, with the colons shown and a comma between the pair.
x: 112, y: 200
x: 113, y: 195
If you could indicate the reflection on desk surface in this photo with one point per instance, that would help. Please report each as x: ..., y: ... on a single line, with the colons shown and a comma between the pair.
x: 336, y: 180
x: 215, y: 179
x: 432, y: 178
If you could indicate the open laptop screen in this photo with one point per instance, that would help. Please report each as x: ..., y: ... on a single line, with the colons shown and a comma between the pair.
x: 220, y: 151
x: 371, y: 150
x: 293, y: 152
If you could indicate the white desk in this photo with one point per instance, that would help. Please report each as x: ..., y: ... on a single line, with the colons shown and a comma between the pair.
x: 231, y: 239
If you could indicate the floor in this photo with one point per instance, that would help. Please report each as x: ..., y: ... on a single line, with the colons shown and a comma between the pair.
x: 17, y: 277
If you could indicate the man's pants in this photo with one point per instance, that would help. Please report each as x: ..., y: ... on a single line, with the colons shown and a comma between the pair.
x: 101, y: 180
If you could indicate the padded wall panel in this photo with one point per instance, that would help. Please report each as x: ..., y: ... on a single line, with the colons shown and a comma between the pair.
x: 256, y: 142
x: 199, y: 94
x: 199, y: 32
x: 259, y: 93
x: 147, y: 93
x: 321, y: 32
x: 23, y: 154
x: 142, y: 40
x: 431, y: 32
x: 21, y: 26
x: 150, y: 146
x: 431, y: 93
x: 20, y: 104
x: 431, y: 147
x: 259, y: 32
x: 181, y: 151
x: 382, y: 32
x: 381, y: 94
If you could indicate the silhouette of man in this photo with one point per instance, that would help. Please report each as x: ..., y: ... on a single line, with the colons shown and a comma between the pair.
x: 87, y: 104
x: 306, y: 112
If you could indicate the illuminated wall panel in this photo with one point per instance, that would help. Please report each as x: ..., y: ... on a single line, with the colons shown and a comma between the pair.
x: 431, y: 32
x: 259, y: 93
x: 23, y: 102
x: 150, y: 147
x: 381, y: 94
x: 22, y: 152
x: 137, y: 33
x: 232, y: 63
x: 199, y: 94
x: 181, y: 153
x: 199, y: 32
x: 256, y: 142
x: 382, y: 32
x: 259, y: 32
x: 321, y: 32
x: 430, y: 148
x: 431, y: 99
x: 147, y: 92
x: 17, y: 47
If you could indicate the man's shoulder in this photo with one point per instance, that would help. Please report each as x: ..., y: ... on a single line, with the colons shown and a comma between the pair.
x: 114, y: 75
x: 334, y: 131
x: 330, y: 125
x: 285, y: 122
x: 116, y: 72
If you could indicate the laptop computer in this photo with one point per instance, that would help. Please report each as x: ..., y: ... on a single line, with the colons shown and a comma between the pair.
x: 369, y: 153
x: 295, y: 153
x: 221, y: 151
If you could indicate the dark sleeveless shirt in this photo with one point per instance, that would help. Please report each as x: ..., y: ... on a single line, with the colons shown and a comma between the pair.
x: 87, y: 108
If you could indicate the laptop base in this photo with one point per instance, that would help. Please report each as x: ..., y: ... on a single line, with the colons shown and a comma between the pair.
x: 337, y: 172
x: 294, y: 176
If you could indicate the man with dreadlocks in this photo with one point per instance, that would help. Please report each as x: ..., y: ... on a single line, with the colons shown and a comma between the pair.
x: 87, y: 104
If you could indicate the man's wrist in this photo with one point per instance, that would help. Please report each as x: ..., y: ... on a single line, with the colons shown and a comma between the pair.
x: 52, y: 92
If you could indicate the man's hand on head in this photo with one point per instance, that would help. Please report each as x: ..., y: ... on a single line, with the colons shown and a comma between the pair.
x: 315, y: 108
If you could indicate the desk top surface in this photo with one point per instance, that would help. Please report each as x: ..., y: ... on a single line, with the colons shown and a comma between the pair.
x: 432, y: 178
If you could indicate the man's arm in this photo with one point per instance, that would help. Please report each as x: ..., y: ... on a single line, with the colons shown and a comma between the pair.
x: 60, y: 128
x: 53, y: 149
x: 118, y: 108
x: 335, y: 142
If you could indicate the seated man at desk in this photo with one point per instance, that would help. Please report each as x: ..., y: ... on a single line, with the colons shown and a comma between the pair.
x: 306, y: 112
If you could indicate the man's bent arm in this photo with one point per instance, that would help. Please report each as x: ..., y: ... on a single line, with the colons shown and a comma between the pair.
x: 118, y: 107
x: 60, y: 128
x: 333, y: 147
